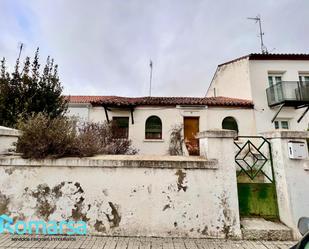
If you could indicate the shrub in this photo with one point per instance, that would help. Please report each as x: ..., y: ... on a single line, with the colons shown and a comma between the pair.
x: 43, y: 137
x: 101, y: 138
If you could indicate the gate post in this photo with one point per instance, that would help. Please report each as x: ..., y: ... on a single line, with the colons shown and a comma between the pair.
x: 219, y: 144
x: 291, y: 177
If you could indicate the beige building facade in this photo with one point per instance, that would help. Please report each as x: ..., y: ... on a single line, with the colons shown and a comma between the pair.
x: 285, y: 77
x: 193, y: 114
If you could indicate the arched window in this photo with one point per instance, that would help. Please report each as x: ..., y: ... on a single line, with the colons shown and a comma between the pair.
x: 153, y: 128
x: 230, y: 123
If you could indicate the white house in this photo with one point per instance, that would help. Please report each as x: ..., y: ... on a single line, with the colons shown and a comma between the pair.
x: 148, y: 121
x: 277, y: 84
x: 262, y: 92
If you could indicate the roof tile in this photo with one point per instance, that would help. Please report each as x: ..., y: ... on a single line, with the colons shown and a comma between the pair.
x: 268, y: 56
x: 159, y: 101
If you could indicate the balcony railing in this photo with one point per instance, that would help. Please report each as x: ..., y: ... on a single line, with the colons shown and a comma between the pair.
x: 290, y: 93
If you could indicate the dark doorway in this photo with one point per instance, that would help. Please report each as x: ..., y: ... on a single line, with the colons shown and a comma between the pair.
x: 191, y: 128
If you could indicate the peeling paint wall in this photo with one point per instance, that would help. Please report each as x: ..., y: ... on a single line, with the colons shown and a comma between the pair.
x: 292, y: 178
x: 139, y: 201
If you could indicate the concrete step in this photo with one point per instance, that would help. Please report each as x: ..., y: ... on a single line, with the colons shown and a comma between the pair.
x: 261, y: 229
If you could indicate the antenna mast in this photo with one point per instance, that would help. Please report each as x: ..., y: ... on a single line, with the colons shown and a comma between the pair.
x: 257, y: 19
x: 150, y: 79
x: 21, y: 46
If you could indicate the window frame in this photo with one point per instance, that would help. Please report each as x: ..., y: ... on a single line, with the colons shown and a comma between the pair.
x: 278, y: 124
x: 127, y: 128
x: 234, y: 119
x: 302, y: 77
x: 147, y: 137
x: 273, y: 76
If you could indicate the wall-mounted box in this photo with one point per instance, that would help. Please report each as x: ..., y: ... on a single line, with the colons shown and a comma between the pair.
x: 297, y: 150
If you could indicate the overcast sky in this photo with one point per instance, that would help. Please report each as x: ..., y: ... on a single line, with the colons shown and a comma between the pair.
x: 104, y: 47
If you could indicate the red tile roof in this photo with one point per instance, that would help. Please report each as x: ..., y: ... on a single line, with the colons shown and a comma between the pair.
x: 257, y: 56
x: 85, y: 99
x: 159, y: 101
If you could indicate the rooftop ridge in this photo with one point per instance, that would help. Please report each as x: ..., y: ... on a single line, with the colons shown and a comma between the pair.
x: 270, y: 56
x: 159, y: 101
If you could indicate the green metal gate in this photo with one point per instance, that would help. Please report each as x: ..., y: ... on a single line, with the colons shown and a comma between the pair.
x: 255, y: 177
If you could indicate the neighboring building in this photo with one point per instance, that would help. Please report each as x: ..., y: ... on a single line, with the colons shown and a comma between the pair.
x: 148, y: 121
x: 278, y: 85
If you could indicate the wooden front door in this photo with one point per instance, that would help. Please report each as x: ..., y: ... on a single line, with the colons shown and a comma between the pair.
x: 191, y: 128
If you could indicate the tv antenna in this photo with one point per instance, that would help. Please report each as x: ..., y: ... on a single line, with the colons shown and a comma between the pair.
x: 20, y: 47
x: 150, y: 78
x: 257, y: 19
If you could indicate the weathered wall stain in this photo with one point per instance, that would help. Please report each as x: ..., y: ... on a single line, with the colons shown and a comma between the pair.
x: 77, y: 211
x: 44, y: 204
x: 46, y: 199
x: 9, y: 171
x: 205, y: 231
x: 149, y: 189
x: 105, y: 192
x: 79, y: 188
x: 228, y: 218
x: 4, y: 203
x: 115, y: 214
x: 166, y: 207
x: 45, y: 209
x: 99, y: 226
x: 57, y: 190
x: 180, y: 180
x: 170, y: 204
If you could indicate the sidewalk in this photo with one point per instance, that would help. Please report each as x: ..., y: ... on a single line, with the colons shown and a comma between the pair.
x: 91, y: 242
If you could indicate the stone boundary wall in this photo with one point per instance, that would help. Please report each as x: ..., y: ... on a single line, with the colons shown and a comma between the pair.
x: 117, y: 161
x: 125, y: 195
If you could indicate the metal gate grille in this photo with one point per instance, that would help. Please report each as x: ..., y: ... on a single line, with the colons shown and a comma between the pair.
x: 254, y: 158
x: 255, y: 177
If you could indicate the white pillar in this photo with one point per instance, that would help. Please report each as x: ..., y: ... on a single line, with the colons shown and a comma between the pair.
x: 291, y: 176
x: 8, y: 137
x: 219, y: 144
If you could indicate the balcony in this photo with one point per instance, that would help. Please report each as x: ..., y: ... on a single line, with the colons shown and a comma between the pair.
x: 289, y: 93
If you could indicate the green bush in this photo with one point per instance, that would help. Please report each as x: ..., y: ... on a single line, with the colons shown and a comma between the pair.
x: 45, y: 137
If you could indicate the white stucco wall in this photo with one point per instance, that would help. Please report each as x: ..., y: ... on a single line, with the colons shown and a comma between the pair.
x: 292, y: 178
x: 244, y: 118
x: 209, y: 118
x: 259, y: 70
x: 248, y: 79
x: 172, y: 196
x: 79, y: 110
x: 232, y: 80
x: 8, y: 138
